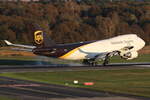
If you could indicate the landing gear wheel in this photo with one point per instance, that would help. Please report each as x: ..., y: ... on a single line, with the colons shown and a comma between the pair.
x: 89, y: 62
x: 93, y: 64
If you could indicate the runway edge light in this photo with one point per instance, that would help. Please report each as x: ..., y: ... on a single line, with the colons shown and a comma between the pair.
x: 89, y: 83
x: 75, y: 81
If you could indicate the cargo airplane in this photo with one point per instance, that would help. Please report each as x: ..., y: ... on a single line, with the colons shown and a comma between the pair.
x: 125, y: 46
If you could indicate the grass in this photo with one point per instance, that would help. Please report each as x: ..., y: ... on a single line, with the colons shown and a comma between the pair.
x: 27, y: 60
x: 127, y: 81
x: 2, y: 97
x: 34, y: 60
x: 141, y: 58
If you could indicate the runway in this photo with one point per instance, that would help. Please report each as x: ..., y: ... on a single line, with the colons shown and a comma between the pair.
x: 35, y: 90
x: 72, y: 67
x: 29, y: 90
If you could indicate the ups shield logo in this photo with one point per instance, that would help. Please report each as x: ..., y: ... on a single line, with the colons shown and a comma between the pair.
x: 38, y: 37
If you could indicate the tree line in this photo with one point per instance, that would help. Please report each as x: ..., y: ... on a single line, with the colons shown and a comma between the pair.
x: 72, y: 21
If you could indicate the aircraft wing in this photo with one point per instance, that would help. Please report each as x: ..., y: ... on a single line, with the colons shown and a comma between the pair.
x: 104, y: 54
x: 19, y: 45
x: 124, y: 53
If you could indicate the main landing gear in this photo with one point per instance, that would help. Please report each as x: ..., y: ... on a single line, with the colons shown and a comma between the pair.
x: 89, y: 62
x: 94, y: 61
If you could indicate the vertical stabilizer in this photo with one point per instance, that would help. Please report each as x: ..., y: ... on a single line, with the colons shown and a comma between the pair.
x: 41, y: 39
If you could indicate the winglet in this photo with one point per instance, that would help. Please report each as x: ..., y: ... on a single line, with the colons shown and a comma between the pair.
x: 7, y: 42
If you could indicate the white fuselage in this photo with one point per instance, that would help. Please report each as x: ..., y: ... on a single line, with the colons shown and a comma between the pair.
x: 103, y: 46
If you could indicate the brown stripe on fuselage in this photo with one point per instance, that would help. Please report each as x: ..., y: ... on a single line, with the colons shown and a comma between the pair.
x: 59, y: 49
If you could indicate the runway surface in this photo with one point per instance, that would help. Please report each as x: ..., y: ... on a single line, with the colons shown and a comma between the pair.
x: 73, y: 67
x: 29, y: 90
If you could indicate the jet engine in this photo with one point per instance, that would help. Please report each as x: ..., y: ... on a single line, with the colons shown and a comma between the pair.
x: 129, y: 55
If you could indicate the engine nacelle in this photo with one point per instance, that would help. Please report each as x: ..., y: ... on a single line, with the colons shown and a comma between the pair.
x: 129, y: 55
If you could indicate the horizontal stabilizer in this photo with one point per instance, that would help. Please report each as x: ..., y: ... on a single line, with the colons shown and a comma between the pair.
x: 19, y: 45
x: 7, y: 42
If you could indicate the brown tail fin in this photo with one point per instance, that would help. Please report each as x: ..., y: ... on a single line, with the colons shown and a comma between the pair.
x: 41, y: 39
